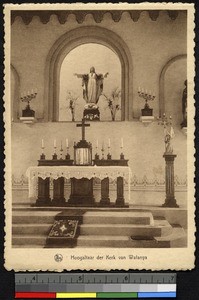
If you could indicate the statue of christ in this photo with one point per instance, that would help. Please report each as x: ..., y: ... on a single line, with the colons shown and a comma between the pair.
x: 92, y: 85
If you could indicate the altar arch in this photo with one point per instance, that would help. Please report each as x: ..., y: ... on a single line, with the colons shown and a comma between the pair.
x: 73, y: 39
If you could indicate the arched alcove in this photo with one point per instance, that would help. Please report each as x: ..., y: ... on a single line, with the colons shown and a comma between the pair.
x: 88, y: 55
x: 15, y: 90
x: 171, y: 85
x: 73, y: 39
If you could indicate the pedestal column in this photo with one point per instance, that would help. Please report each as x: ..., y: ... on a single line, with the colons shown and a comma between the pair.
x: 170, y: 200
x: 105, y: 200
x: 58, y: 192
x: 120, y: 192
x: 43, y: 192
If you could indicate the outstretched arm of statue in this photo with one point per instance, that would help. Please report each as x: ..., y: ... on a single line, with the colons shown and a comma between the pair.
x: 106, y: 74
x: 78, y: 75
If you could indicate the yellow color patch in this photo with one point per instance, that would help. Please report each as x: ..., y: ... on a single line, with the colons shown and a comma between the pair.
x: 76, y: 295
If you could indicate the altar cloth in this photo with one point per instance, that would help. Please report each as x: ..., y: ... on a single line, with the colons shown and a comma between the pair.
x: 78, y: 172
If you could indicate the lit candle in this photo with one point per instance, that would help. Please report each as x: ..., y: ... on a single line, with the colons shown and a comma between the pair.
x: 32, y: 92
x: 55, y: 144
x: 122, y: 145
x: 109, y: 143
x: 28, y: 93
x: 139, y: 88
x: 42, y: 143
x: 61, y: 145
x: 97, y: 144
x: 66, y: 143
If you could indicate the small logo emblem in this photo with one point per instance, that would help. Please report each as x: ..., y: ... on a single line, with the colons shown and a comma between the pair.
x: 58, y: 257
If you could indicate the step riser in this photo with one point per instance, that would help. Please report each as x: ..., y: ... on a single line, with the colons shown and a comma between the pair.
x: 125, y: 231
x: 118, y: 244
x: 44, y: 230
x: 39, y: 241
x: 116, y: 220
x: 33, y: 219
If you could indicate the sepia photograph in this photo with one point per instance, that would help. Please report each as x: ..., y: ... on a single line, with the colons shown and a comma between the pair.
x: 99, y: 134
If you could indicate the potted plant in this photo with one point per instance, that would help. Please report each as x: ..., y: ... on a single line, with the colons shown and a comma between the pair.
x: 113, y: 101
x: 71, y: 98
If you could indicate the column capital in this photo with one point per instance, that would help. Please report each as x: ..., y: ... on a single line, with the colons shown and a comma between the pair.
x: 169, y: 156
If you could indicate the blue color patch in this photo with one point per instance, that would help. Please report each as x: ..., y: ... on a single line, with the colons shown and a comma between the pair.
x: 157, y: 295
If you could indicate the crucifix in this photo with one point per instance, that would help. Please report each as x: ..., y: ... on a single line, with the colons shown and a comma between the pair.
x: 83, y: 125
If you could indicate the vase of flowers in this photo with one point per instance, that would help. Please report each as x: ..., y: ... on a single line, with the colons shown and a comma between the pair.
x: 72, y: 99
x: 113, y: 102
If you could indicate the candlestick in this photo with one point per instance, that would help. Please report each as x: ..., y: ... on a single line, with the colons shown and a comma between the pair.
x: 42, y: 156
x: 121, y: 156
x: 102, y: 150
x: 109, y: 143
x: 122, y: 145
x: 61, y: 151
x: 96, y: 155
x: 55, y: 149
x: 108, y: 155
x: 66, y: 143
x: 67, y: 153
x: 147, y: 96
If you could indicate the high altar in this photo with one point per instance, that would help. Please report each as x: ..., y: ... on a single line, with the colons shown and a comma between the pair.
x: 81, y: 171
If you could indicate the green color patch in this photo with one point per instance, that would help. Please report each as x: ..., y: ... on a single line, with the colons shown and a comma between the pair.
x: 117, y: 295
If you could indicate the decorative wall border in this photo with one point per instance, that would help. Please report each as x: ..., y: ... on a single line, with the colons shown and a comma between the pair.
x: 137, y: 183
x: 98, y: 15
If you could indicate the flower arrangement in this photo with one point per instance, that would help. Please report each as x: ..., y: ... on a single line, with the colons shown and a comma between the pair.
x: 72, y: 99
x: 114, y: 102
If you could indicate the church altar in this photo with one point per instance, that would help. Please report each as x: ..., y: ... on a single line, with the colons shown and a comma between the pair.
x: 39, y: 176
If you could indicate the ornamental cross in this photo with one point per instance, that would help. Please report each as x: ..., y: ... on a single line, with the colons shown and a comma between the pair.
x: 83, y: 125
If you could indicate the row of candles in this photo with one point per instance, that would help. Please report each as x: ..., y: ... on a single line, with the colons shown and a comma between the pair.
x: 67, y: 149
x: 142, y: 91
x: 29, y: 95
x: 67, y: 144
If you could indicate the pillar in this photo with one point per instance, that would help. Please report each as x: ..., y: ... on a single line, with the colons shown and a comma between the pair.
x: 120, y: 192
x: 58, y: 192
x: 105, y: 200
x: 170, y: 200
x: 43, y: 192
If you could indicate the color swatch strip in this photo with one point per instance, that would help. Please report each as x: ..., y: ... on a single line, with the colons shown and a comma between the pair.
x: 27, y: 295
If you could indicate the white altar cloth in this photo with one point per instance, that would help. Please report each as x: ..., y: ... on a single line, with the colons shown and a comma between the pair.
x: 55, y: 172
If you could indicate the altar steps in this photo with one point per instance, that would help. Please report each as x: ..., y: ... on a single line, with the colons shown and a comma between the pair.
x: 118, y: 217
x: 176, y: 239
x: 160, y: 227
x: 105, y: 228
x: 29, y: 240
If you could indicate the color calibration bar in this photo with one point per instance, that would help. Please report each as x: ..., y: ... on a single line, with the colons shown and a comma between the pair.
x: 95, y: 285
x: 96, y: 295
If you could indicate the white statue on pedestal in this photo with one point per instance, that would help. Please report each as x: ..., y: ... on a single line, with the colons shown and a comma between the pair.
x: 92, y: 85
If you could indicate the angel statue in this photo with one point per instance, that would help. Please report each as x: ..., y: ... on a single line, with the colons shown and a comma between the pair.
x: 169, y: 135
